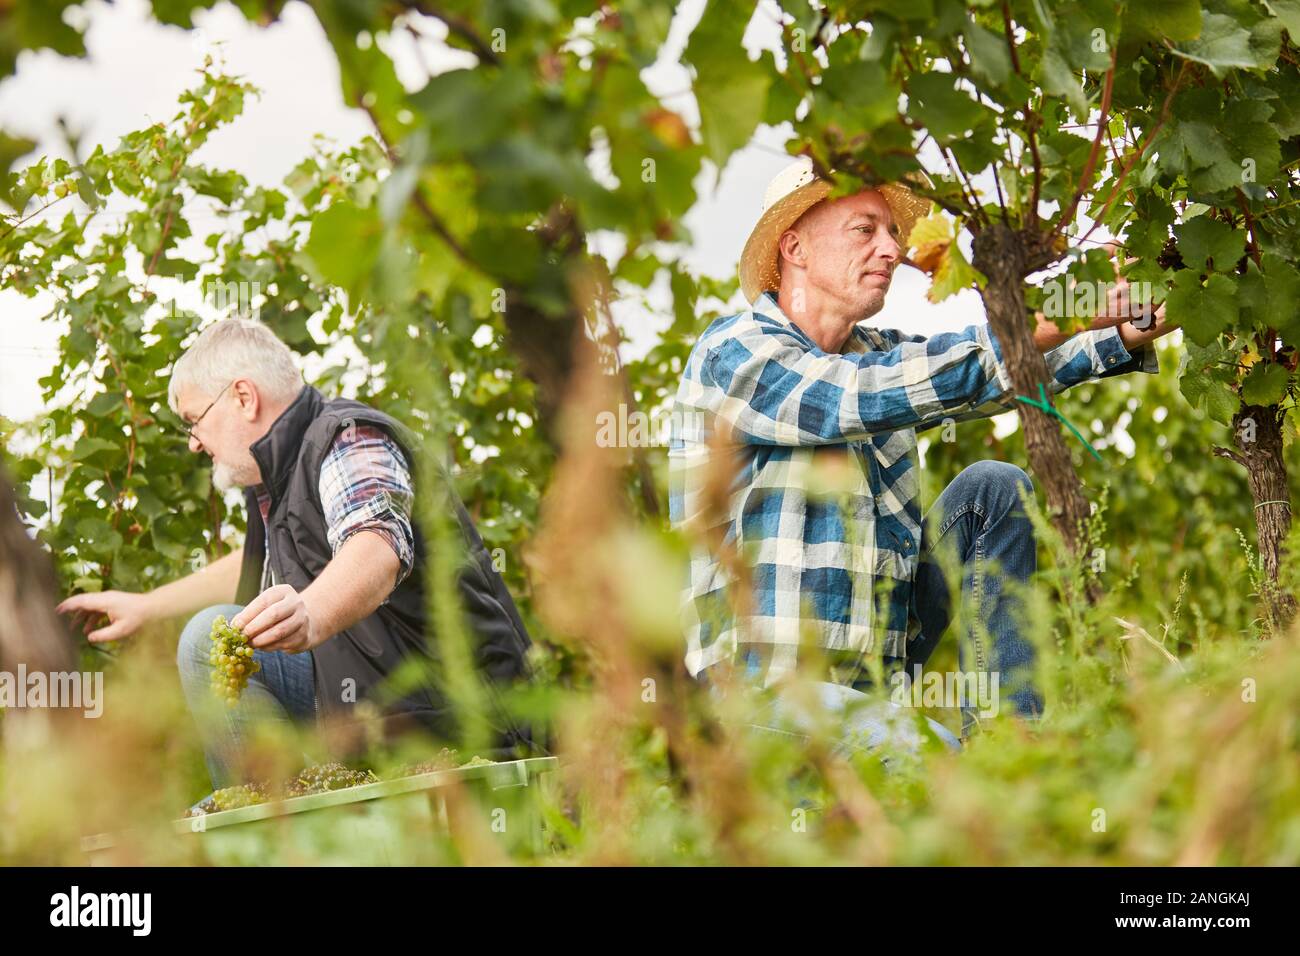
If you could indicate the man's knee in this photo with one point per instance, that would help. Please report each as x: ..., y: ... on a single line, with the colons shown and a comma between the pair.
x: 196, y: 636
x: 999, y: 482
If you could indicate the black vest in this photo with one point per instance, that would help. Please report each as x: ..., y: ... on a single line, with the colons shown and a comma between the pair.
x: 353, y: 664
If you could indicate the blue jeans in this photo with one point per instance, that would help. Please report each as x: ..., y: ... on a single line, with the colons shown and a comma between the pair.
x: 978, y: 525
x: 979, y: 528
x: 283, y: 690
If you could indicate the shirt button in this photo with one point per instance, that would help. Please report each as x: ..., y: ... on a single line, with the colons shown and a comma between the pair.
x: 1111, y: 360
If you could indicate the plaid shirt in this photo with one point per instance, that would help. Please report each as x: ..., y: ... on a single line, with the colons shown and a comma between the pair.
x: 365, y: 485
x: 835, y: 568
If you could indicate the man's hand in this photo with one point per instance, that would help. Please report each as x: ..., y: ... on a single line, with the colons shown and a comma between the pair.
x: 279, y: 619
x: 126, y: 612
x: 1139, y: 332
x: 1119, y: 305
x: 1137, y: 324
x: 362, y: 574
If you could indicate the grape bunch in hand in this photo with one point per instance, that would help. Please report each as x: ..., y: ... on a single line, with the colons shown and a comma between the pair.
x: 232, y: 661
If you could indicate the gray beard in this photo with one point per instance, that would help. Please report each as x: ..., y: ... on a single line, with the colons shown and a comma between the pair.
x: 224, y: 477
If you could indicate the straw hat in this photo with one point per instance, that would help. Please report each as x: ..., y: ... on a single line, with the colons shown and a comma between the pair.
x: 791, y: 193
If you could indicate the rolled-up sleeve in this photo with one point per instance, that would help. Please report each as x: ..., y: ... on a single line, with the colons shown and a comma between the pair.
x: 1099, y: 353
x: 1118, y: 360
x: 365, y: 485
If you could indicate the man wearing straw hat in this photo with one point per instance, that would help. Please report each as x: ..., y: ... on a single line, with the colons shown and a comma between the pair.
x: 798, y: 385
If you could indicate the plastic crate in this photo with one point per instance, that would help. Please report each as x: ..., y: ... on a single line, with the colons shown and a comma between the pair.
x: 399, y: 822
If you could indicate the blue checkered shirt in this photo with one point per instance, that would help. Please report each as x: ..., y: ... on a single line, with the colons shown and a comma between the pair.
x: 831, y: 550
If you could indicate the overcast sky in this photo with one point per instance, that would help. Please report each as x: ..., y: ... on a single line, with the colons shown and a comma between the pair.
x: 136, y: 69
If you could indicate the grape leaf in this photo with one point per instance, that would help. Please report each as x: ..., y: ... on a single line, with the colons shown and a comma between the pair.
x: 945, y: 111
x: 1288, y: 11
x: 343, y: 243
x: 1204, y: 238
x: 1202, y: 311
x: 11, y: 149
x: 857, y: 95
x: 1157, y: 19
x: 87, y: 446
x: 1265, y: 385
x: 730, y: 88
x: 1197, y: 150
x: 1221, y: 402
x: 989, y: 56
x: 953, y: 275
x: 1225, y: 43
x: 1194, y: 383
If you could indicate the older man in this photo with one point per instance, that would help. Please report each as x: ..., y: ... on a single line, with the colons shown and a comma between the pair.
x: 329, y: 585
x: 798, y: 380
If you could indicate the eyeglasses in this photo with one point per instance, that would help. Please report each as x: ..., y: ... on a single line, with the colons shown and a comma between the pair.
x: 189, y: 428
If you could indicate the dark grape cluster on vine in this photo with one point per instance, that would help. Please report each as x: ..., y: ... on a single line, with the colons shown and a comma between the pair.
x: 1170, y: 257
x: 232, y: 661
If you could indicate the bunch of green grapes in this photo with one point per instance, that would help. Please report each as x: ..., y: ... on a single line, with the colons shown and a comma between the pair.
x: 328, y: 776
x: 231, y: 798
x: 447, y: 759
x: 232, y: 661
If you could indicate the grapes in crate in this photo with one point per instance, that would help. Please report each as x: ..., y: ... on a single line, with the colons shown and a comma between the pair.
x: 231, y: 798
x: 322, y: 778
x: 232, y: 661
x: 446, y: 759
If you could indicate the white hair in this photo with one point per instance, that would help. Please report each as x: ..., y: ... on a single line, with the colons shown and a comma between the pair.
x: 232, y: 349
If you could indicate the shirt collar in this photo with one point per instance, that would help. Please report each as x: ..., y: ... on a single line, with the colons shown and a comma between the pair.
x: 276, y: 452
